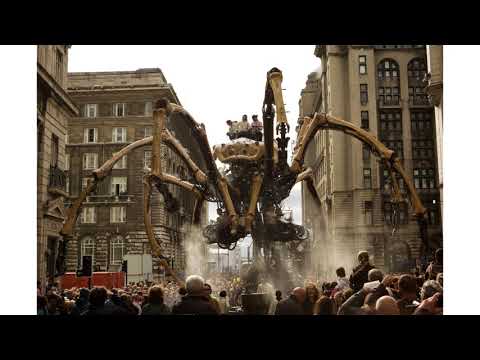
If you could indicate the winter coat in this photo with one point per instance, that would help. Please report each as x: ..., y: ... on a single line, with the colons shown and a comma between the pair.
x: 155, y: 309
x: 360, y: 276
x: 194, y: 305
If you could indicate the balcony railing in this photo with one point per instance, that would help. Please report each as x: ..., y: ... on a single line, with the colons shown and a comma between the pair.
x: 57, y: 179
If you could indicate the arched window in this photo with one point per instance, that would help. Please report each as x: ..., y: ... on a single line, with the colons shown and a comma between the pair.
x: 116, y: 250
x: 87, y: 248
x: 388, y: 69
x: 417, y: 68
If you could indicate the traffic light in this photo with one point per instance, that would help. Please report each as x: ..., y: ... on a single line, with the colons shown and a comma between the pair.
x: 86, y: 266
x: 125, y: 266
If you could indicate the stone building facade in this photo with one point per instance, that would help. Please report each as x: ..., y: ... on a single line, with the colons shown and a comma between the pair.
x: 54, y: 107
x: 116, y: 110
x: 435, y: 91
x: 379, y: 88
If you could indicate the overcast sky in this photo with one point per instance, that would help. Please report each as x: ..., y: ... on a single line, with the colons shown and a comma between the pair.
x: 214, y: 83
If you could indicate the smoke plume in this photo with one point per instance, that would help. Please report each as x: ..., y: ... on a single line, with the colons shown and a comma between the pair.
x: 196, y: 257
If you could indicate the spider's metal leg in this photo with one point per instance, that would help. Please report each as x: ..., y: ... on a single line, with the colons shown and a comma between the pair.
x: 255, y: 191
x: 74, y: 210
x: 324, y: 121
x: 275, y: 79
x: 147, y: 215
x: 223, y: 187
x: 308, y: 173
x: 171, y: 141
x: 106, y: 168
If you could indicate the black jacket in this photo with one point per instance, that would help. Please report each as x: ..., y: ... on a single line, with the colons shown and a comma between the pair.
x: 289, y: 306
x: 360, y: 276
x: 155, y: 309
x: 194, y: 305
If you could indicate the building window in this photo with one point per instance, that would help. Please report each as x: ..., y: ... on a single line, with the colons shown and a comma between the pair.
x: 116, y: 250
x: 147, y: 159
x: 90, y: 161
x: 121, y: 164
x: 388, y: 96
x: 88, y: 215
x: 417, y: 69
x: 424, y: 178
x: 366, y: 153
x: 367, y: 178
x: 90, y: 135
x: 422, y: 149
x: 119, y: 185
x: 417, y: 96
x: 363, y: 94
x: 388, y: 70
x: 91, y: 110
x: 118, y: 214
x: 87, y: 248
x: 148, y: 108
x: 67, y: 162
x: 119, y: 110
x: 365, y: 121
x: 148, y: 132
x: 362, y: 63
x: 119, y: 135
x: 368, y: 206
x: 54, y: 151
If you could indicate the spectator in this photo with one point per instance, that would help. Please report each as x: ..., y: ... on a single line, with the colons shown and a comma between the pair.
x: 81, y: 304
x: 312, y: 297
x: 360, y: 273
x: 278, y: 295
x: 213, y: 301
x: 243, y: 127
x: 53, y: 304
x: 324, y: 306
x: 387, y: 305
x: 155, y: 305
x: 195, y: 302
x: 257, y: 127
x: 341, y: 279
x: 338, y: 299
x: 98, y: 297
x: 127, y: 305
x: 407, y: 286
x: 222, y: 302
x: 431, y: 306
x: 430, y: 288
x: 293, y: 305
x: 436, y: 266
x: 232, y: 129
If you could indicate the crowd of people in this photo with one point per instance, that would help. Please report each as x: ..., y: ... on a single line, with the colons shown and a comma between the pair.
x: 367, y: 291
